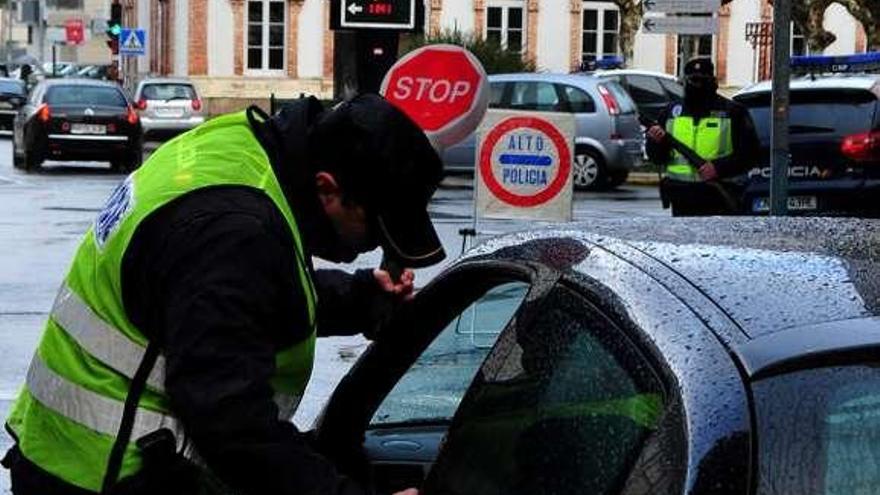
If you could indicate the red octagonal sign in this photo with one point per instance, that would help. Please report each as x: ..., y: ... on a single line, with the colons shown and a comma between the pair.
x: 443, y: 88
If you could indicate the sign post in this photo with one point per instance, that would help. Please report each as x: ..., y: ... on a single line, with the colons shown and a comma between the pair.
x: 779, y: 138
x: 524, y: 166
x: 132, y: 42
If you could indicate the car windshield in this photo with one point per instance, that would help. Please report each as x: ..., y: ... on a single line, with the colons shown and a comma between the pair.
x: 837, y: 112
x: 168, y: 92
x: 85, y: 95
x: 819, y: 431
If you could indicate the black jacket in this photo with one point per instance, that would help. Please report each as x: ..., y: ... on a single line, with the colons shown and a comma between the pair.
x: 745, y: 140
x: 212, y: 275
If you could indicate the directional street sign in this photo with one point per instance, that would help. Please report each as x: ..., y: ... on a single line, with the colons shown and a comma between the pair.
x: 681, y: 25
x: 682, y: 6
x: 132, y: 42
x: 378, y: 14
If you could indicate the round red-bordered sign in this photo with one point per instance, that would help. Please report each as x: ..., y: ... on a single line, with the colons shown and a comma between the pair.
x: 562, y: 152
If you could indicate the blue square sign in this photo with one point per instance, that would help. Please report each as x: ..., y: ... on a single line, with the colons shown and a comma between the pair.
x: 132, y: 42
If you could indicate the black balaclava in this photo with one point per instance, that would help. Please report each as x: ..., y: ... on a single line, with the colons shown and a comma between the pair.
x: 700, y: 86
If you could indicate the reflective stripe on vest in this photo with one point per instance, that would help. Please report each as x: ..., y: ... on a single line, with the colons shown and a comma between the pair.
x: 711, y: 138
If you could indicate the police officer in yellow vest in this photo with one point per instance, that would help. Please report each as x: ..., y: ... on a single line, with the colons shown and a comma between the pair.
x: 719, y: 130
x: 182, y: 338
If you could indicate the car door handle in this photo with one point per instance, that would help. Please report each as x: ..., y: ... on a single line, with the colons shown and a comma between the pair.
x: 402, y: 445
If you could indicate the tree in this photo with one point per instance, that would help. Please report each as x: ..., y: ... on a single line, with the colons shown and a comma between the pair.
x: 495, y: 59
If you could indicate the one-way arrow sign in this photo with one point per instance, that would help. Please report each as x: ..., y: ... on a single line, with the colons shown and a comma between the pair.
x: 355, y: 9
x: 681, y: 25
x: 682, y: 6
x: 377, y: 14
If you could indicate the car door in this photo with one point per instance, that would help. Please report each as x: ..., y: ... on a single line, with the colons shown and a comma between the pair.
x: 565, y: 403
x: 386, y: 420
x: 648, y: 94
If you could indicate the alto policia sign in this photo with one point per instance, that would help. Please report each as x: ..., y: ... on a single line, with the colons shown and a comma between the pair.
x: 377, y: 14
x: 524, y: 165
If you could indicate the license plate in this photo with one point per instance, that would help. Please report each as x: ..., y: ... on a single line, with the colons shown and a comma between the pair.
x: 88, y: 129
x: 795, y: 203
x: 169, y: 112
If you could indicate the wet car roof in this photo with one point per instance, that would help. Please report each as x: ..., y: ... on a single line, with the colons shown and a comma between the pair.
x: 768, y: 274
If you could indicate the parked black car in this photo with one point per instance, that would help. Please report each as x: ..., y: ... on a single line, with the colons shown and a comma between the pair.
x: 12, y: 96
x: 653, y: 92
x: 73, y: 119
x: 835, y: 146
x: 658, y: 356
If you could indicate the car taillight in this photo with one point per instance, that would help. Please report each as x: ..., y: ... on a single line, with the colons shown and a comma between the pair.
x: 132, y: 117
x: 197, y: 104
x: 610, y: 100
x: 44, y: 114
x: 863, y: 147
x: 142, y: 104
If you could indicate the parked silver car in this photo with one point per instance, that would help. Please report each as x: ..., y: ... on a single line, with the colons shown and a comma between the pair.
x: 609, y: 140
x: 168, y: 106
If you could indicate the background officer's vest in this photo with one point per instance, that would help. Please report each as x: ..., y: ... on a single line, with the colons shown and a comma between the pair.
x: 68, y: 414
x: 711, y: 138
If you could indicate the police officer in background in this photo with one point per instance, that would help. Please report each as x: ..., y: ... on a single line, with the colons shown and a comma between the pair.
x: 719, y: 130
x: 183, y: 336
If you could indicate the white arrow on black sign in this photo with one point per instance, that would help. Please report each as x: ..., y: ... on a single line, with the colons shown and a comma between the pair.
x: 682, y: 6
x: 681, y: 25
x: 355, y: 9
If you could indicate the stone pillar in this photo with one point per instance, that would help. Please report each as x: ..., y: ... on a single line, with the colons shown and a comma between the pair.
x: 479, y: 18
x: 198, y: 38
x: 532, y: 32
x: 294, y: 7
x: 434, y: 18
x: 328, y: 43
x: 861, y: 38
x: 575, y: 35
x: 671, y: 53
x: 238, y: 42
x: 723, y: 48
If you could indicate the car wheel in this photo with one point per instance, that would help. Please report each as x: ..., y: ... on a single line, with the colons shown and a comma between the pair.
x: 31, y: 161
x: 17, y: 159
x: 589, y: 169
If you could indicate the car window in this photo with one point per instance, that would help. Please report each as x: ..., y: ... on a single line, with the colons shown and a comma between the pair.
x: 562, y: 405
x: 497, y: 94
x: 578, y: 100
x: 432, y: 388
x: 838, y: 112
x: 540, y: 96
x: 673, y: 87
x: 646, y: 90
x: 168, y: 92
x: 819, y: 431
x: 85, y: 95
x: 12, y: 87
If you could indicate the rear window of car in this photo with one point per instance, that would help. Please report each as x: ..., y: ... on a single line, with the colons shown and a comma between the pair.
x: 829, y: 111
x: 819, y: 431
x: 85, y: 95
x: 168, y: 92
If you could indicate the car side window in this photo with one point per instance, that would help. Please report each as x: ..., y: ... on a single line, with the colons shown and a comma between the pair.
x: 674, y: 88
x: 564, y: 404
x: 540, y: 96
x: 645, y: 90
x: 432, y: 388
x: 497, y: 94
x: 578, y: 100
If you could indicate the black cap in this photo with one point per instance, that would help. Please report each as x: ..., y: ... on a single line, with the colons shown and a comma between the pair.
x: 384, y: 161
x: 700, y: 66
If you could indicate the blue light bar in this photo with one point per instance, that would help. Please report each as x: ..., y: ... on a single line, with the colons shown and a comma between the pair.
x: 608, y: 63
x: 862, y: 62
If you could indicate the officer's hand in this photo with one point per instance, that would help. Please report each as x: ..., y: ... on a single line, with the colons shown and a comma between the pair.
x: 656, y: 134
x: 402, y: 288
x: 708, y: 172
x: 409, y: 491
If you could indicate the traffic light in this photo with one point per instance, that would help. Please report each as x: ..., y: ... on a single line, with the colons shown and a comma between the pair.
x: 114, y: 27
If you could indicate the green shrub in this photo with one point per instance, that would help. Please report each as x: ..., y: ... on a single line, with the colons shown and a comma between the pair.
x: 495, y: 59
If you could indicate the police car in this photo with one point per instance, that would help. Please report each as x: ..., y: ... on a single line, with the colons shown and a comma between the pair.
x: 835, y: 137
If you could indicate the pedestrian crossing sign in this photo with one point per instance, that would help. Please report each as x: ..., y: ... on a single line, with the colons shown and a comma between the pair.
x: 132, y: 42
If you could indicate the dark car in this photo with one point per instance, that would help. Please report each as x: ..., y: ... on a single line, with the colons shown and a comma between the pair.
x: 12, y: 96
x: 661, y: 356
x: 71, y: 119
x: 835, y: 146
x: 653, y: 92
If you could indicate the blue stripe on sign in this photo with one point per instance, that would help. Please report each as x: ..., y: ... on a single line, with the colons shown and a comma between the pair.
x: 532, y: 160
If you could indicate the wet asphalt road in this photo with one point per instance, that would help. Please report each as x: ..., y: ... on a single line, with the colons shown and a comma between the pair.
x: 44, y: 214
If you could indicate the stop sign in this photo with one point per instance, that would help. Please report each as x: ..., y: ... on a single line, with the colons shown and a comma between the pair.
x: 74, y: 31
x: 443, y: 88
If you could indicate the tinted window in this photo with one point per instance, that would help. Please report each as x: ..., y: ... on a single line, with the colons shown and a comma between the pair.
x: 819, y: 431
x: 833, y: 112
x: 432, y: 388
x: 168, y: 92
x: 645, y: 90
x: 563, y: 405
x: 673, y: 87
x: 535, y: 96
x: 85, y: 95
x: 578, y: 100
x: 497, y: 95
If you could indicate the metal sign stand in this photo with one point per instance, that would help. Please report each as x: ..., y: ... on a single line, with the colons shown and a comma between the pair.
x: 781, y: 90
